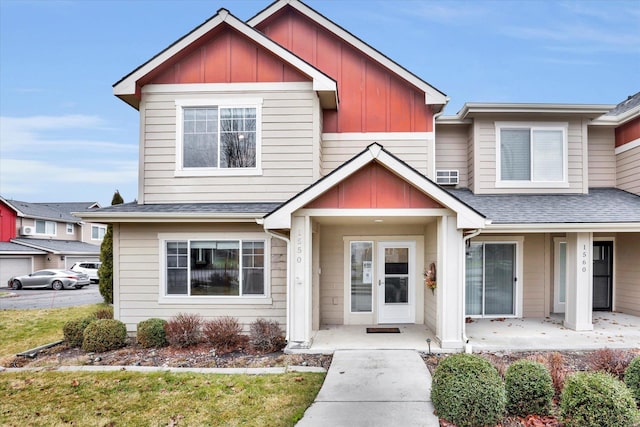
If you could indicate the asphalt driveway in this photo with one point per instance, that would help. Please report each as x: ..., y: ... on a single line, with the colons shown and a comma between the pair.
x: 47, y: 298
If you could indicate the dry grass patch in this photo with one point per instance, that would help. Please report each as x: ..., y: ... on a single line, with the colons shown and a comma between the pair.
x: 21, y: 330
x: 158, y: 399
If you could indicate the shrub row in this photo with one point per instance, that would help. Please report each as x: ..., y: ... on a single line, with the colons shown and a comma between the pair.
x: 468, y: 391
x: 97, y: 332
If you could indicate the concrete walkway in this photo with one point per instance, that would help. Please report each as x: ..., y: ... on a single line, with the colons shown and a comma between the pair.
x: 374, y: 388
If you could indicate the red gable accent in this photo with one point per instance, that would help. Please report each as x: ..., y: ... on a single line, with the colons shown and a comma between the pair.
x: 7, y: 223
x: 372, y: 98
x: 224, y: 56
x: 373, y: 187
x: 628, y: 132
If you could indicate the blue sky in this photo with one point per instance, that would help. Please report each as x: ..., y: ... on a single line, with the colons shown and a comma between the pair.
x: 65, y: 137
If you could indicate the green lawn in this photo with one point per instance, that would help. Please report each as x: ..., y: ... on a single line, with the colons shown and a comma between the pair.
x: 159, y: 399
x: 136, y: 399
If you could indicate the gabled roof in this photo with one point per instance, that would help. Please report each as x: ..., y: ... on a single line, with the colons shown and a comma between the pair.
x: 606, y: 208
x: 54, y: 211
x: 467, y: 217
x: 60, y: 246
x: 127, y: 87
x: 132, y: 212
x: 622, y: 113
x: 433, y: 96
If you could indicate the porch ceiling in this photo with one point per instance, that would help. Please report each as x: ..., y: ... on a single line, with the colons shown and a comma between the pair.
x: 374, y: 220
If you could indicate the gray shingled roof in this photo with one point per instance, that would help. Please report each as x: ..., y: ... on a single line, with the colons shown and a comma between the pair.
x: 601, y: 205
x: 6, y: 247
x: 186, y: 208
x: 57, y: 211
x: 60, y: 246
x: 626, y: 105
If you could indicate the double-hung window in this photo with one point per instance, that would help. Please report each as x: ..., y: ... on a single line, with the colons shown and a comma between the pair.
x: 531, y: 155
x: 215, y: 268
x: 45, y: 227
x: 218, y: 139
x: 98, y: 232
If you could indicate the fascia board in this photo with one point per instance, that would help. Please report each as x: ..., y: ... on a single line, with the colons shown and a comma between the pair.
x: 321, y: 81
x: 432, y: 95
x: 477, y: 107
x: 630, y: 227
x: 107, y: 217
x: 41, y: 248
x: 619, y: 119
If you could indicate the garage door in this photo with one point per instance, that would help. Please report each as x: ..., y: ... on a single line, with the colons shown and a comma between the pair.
x: 70, y: 260
x: 10, y: 267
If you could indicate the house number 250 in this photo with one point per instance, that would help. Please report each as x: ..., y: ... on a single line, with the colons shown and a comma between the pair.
x: 584, y: 259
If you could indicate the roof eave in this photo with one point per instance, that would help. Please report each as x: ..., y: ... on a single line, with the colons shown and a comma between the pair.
x: 110, y: 217
x: 486, y: 107
x: 577, y: 227
x: 618, y: 120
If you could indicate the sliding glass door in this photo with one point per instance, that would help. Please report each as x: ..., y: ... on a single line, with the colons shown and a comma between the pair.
x: 490, y: 279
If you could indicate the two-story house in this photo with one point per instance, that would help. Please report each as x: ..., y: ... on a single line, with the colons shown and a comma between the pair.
x: 290, y: 171
x: 35, y: 236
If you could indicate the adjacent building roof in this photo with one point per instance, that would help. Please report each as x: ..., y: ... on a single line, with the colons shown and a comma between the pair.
x: 55, y: 211
x: 59, y: 246
x: 8, y: 248
x: 599, y: 206
x: 628, y: 104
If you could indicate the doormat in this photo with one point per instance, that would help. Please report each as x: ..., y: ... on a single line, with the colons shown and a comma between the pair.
x: 383, y: 330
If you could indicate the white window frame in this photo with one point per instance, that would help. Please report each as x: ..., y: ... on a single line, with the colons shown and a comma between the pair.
x: 181, y: 104
x: 70, y: 228
x: 46, y: 224
x: 164, y: 298
x: 533, y: 126
x: 519, y: 289
x: 100, y: 227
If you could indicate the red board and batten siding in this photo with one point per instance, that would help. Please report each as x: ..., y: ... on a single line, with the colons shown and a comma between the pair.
x: 224, y: 56
x: 7, y: 223
x: 372, y: 98
x: 628, y: 132
x: 373, y: 187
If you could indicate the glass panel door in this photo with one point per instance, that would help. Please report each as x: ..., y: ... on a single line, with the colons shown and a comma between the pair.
x: 361, y: 276
x: 490, y: 279
x: 396, y: 275
x: 396, y: 287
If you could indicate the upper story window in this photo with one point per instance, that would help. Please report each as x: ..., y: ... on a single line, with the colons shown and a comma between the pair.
x: 98, y: 232
x: 531, y: 154
x: 69, y: 228
x: 45, y: 227
x: 219, y: 139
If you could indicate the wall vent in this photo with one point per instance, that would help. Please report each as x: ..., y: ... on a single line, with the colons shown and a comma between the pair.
x: 27, y: 231
x: 447, y: 177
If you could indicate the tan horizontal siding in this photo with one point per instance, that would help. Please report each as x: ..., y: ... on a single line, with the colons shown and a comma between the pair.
x: 627, y: 273
x: 138, y: 280
x: 287, y: 127
x: 627, y: 166
x: 534, y: 276
x: 602, y: 159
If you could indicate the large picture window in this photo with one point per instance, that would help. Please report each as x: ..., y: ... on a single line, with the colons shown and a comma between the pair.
x: 215, y: 268
x: 535, y: 154
x: 218, y: 138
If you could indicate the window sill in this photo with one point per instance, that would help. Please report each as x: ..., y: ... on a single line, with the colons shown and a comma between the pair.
x: 531, y: 184
x: 215, y: 300
x: 217, y: 172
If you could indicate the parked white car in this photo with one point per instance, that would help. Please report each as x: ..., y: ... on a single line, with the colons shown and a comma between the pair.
x: 88, y: 267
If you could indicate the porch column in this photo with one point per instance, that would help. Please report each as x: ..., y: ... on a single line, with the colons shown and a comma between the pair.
x: 579, y: 300
x: 450, y: 305
x: 300, y: 315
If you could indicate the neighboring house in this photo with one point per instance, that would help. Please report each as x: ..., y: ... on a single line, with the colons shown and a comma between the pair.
x: 34, y: 236
x: 290, y: 171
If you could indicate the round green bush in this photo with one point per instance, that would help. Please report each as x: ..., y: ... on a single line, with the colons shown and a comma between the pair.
x: 595, y: 399
x: 151, y: 333
x: 529, y: 389
x: 632, y: 378
x: 104, y: 335
x: 74, y: 330
x: 468, y: 391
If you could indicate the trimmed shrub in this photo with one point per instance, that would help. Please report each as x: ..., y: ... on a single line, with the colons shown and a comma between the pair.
x: 151, y: 333
x: 104, y: 313
x: 468, y: 391
x: 594, y: 399
x: 74, y: 330
x: 529, y: 389
x: 632, y: 378
x: 104, y: 335
x: 183, y: 330
x: 224, y: 334
x: 609, y: 360
x: 266, y: 336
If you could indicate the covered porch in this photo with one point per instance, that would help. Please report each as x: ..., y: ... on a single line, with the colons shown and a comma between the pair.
x: 610, y: 330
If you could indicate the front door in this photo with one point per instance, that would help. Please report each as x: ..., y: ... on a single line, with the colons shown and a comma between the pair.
x: 602, y: 275
x: 396, y: 282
